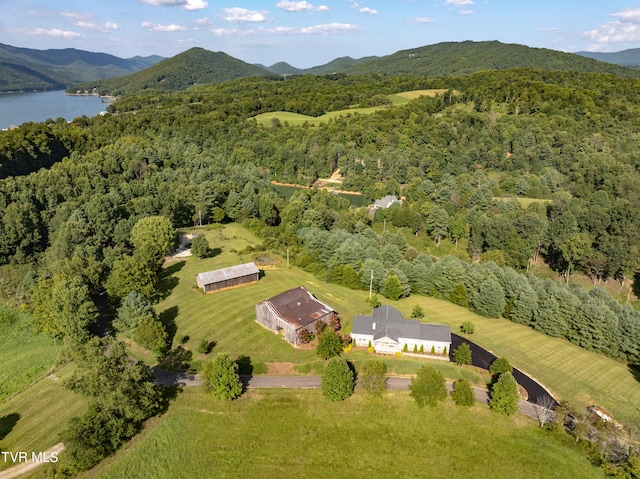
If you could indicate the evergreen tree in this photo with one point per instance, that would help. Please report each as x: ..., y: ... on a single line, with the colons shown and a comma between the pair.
x: 489, y: 300
x: 133, y: 309
x: 504, y: 395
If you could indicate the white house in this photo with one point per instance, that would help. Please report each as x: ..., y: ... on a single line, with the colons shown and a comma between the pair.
x: 387, y: 332
x: 386, y: 202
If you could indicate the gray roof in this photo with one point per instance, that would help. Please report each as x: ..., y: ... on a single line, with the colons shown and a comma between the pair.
x: 231, y: 272
x: 386, y: 311
x: 400, y: 328
x: 386, y: 201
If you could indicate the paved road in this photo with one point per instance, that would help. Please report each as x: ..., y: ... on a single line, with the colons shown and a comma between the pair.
x: 394, y: 383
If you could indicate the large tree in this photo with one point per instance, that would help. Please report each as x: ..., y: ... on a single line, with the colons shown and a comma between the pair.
x: 152, y: 238
x: 428, y: 387
x: 337, y: 380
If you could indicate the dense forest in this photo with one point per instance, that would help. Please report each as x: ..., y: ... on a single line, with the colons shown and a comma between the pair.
x: 501, y: 170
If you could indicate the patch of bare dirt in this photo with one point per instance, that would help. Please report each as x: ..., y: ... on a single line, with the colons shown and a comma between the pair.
x: 279, y: 369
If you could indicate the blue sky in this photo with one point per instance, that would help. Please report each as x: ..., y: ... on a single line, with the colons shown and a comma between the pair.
x: 308, y: 33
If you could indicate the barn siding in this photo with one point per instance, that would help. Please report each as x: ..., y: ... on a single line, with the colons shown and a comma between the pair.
x: 228, y: 283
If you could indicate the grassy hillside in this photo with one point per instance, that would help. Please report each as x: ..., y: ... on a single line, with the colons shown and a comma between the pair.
x: 462, y: 58
x: 177, y: 73
x: 297, y: 433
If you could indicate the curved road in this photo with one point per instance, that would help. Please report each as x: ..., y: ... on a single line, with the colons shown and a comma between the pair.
x: 395, y: 383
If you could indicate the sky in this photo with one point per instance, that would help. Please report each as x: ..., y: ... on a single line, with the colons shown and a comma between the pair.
x: 310, y: 33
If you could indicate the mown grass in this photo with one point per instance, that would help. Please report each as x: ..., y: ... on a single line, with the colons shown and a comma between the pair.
x: 298, y: 433
x: 32, y: 420
x: 571, y: 373
x: 25, y: 358
x: 228, y: 317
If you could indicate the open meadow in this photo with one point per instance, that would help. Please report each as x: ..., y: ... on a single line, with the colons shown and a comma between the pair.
x: 298, y: 433
x: 296, y: 119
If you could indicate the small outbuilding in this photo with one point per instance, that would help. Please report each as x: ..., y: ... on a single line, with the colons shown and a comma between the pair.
x: 228, y: 277
x: 387, y: 332
x: 292, y: 311
x: 386, y: 202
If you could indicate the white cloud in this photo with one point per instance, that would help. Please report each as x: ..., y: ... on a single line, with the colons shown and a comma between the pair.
x: 54, y: 32
x: 329, y: 29
x: 368, y: 10
x: 294, y: 6
x: 154, y: 27
x: 459, y: 3
x: 203, y: 23
x: 466, y: 12
x: 184, y: 4
x: 424, y: 20
x: 106, y: 28
x: 242, y: 15
x: 323, y: 8
x: 624, y: 30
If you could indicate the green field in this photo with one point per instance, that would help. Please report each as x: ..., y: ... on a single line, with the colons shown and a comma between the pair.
x: 296, y: 119
x: 571, y: 373
x: 25, y: 358
x: 32, y: 420
x: 298, y: 433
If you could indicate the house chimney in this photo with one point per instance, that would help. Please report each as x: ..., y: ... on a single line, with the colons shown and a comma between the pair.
x: 373, y: 326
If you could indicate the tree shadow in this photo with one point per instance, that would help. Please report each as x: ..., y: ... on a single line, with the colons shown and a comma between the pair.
x: 213, y: 252
x: 634, y: 369
x: 168, y: 280
x: 245, y: 368
x: 168, y: 319
x: 7, y: 423
x: 177, y: 359
x: 635, y: 286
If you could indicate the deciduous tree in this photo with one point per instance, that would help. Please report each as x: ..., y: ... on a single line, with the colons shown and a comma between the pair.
x: 428, y: 387
x: 337, y: 380
x: 373, y: 377
x: 222, y: 379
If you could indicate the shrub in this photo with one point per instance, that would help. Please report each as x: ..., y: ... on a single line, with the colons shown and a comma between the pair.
x: 205, y: 346
x: 305, y: 336
x: 415, y: 348
x: 422, y: 349
x: 373, y: 377
x: 200, y: 247
x: 500, y: 366
x: 417, y: 312
x: 405, y: 348
x: 320, y: 327
x: 468, y: 327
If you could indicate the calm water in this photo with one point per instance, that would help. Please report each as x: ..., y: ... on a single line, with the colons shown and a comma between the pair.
x: 17, y: 108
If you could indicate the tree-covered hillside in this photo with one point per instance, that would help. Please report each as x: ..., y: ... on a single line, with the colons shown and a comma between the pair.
x: 462, y: 58
x: 29, y: 69
x: 195, y: 66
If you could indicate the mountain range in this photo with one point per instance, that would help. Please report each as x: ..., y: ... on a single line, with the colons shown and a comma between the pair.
x: 24, y: 69
x: 77, y: 70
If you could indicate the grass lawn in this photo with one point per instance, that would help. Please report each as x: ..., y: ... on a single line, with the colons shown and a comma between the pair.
x: 298, y: 433
x: 227, y: 317
x: 32, y: 420
x: 25, y: 358
x: 568, y: 371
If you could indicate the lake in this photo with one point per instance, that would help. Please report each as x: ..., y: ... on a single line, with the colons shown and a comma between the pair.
x: 17, y: 108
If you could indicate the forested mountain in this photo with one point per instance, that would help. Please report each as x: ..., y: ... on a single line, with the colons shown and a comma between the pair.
x: 282, y: 68
x: 461, y: 58
x: 29, y: 69
x: 627, y: 58
x: 342, y: 64
x: 195, y: 66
